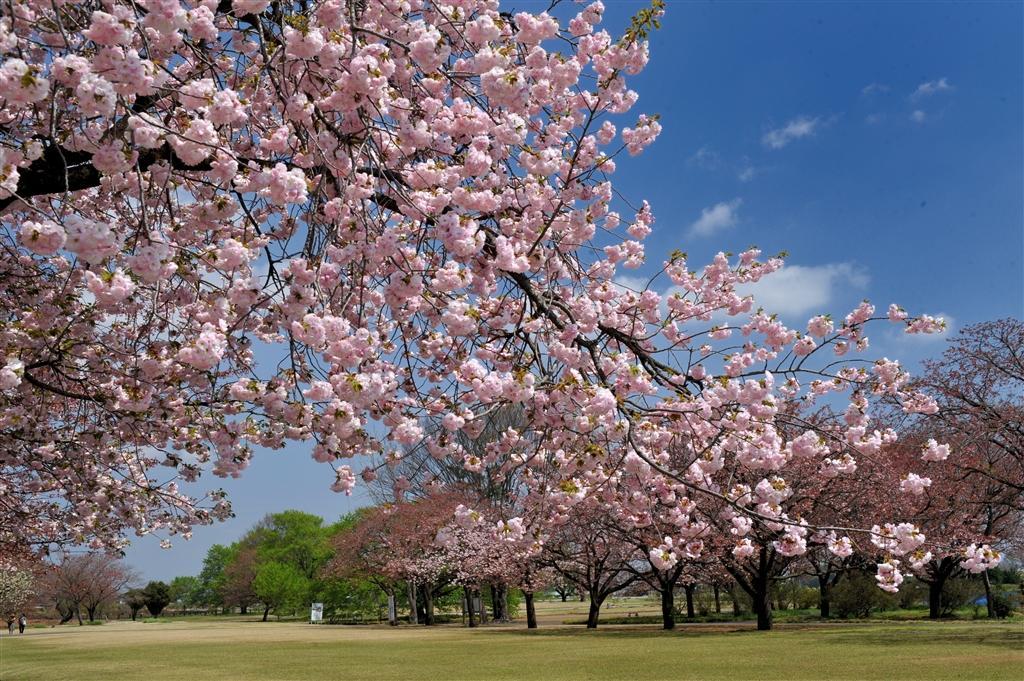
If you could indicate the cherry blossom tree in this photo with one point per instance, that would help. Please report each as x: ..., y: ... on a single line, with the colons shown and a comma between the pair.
x: 533, y: 576
x: 979, y: 386
x: 229, y: 225
x: 360, y: 552
x: 657, y: 525
x: 954, y: 513
x: 397, y: 543
x: 817, y: 494
x: 584, y: 551
x: 978, y: 383
x: 500, y: 556
x: 86, y: 581
x: 107, y: 578
x: 17, y: 586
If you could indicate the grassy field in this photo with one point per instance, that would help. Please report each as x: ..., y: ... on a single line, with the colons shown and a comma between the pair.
x: 222, y: 648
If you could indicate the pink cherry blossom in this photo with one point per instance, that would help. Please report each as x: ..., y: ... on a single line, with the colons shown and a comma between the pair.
x: 915, y: 484
x: 45, y: 237
x: 333, y: 228
x: 889, y: 576
x: 933, y: 451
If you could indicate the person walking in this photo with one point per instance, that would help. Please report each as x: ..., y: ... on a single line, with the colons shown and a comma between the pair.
x: 10, y: 625
x: 22, y: 623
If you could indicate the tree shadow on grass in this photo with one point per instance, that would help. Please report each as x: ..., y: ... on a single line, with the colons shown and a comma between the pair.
x: 622, y: 632
x: 1010, y: 640
x: 852, y: 633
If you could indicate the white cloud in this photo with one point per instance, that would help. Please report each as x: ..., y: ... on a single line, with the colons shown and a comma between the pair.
x: 747, y: 173
x: 918, y: 116
x: 873, y: 88
x: 627, y: 282
x: 716, y: 218
x: 706, y: 158
x: 931, y: 87
x: 874, y: 119
x: 799, y: 127
x: 801, y: 289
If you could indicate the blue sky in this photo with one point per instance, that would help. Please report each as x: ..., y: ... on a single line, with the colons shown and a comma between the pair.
x: 880, y: 144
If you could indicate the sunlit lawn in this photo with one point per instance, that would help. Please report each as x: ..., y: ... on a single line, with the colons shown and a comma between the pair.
x: 216, y: 648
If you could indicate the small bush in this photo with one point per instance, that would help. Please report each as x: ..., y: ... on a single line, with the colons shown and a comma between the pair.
x: 957, y: 593
x: 1001, y: 606
x: 913, y: 593
x: 857, y: 594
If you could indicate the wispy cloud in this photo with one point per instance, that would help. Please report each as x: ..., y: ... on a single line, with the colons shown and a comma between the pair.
x: 798, y: 128
x: 874, y: 88
x: 706, y: 158
x: 630, y: 283
x: 874, y: 119
x: 918, y: 116
x: 801, y: 289
x: 747, y: 173
x: 931, y: 87
x: 716, y: 218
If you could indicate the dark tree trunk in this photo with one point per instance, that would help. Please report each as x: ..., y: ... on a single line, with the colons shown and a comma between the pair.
x: 668, y: 608
x: 266, y: 611
x: 736, y: 610
x: 468, y: 595
x: 824, y: 597
x: 935, y: 598
x: 940, y: 574
x: 243, y: 610
x: 582, y: 597
x: 594, y: 614
x: 688, y: 588
x: 531, y: 613
x: 91, y: 612
x: 502, y: 603
x: 989, y: 605
x: 763, y: 608
x: 718, y: 600
x: 78, y: 614
x: 760, y: 591
x: 428, y: 605
x: 564, y: 595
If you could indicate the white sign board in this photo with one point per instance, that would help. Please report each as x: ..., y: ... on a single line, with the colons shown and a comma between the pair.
x: 392, y: 610
x: 316, y: 614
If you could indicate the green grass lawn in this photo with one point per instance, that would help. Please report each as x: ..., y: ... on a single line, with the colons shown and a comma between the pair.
x: 284, y: 651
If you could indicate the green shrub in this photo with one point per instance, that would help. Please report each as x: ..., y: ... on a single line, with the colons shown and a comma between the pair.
x: 913, y: 593
x: 1001, y: 605
x: 857, y: 594
x: 957, y: 593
